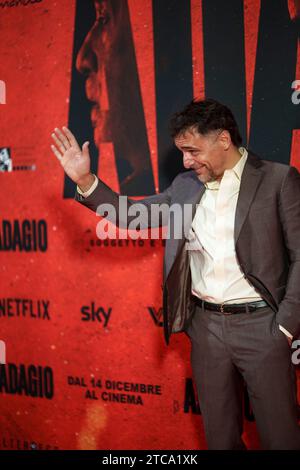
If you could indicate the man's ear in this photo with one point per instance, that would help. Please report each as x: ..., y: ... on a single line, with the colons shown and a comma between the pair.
x: 225, y: 139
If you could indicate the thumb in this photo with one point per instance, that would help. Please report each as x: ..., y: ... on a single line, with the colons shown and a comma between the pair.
x: 85, y: 148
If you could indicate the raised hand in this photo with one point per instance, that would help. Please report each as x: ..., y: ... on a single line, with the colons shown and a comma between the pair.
x: 75, y: 161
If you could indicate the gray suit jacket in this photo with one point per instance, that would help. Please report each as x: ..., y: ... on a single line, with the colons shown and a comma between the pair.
x: 266, y: 235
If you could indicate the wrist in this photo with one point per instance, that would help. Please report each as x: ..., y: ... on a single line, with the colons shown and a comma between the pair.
x: 86, y: 182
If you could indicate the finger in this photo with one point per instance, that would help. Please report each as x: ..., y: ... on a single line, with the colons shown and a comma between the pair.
x: 56, y: 152
x: 70, y: 136
x: 63, y: 138
x: 85, y: 148
x: 58, y: 142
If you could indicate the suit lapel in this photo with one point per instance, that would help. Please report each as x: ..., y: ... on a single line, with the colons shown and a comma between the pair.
x: 250, y: 180
x: 193, y: 200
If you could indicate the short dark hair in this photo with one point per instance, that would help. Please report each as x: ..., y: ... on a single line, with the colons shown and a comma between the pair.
x: 205, y: 116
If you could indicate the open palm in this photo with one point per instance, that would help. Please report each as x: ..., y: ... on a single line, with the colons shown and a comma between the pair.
x: 75, y: 161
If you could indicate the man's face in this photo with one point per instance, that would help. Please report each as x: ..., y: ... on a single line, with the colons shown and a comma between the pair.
x: 107, y: 60
x: 205, y: 154
x: 94, y: 59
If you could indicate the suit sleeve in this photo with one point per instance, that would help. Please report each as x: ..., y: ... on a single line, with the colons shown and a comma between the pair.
x: 288, y: 314
x: 152, y: 211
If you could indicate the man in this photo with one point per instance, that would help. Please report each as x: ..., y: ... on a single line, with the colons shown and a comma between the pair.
x: 232, y: 284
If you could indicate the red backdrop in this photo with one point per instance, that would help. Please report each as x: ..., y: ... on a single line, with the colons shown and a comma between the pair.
x: 76, y: 315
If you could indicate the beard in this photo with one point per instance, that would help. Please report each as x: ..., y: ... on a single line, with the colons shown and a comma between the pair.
x: 206, y: 175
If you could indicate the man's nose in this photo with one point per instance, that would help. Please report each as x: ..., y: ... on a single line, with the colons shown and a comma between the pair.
x: 86, y: 60
x: 187, y: 161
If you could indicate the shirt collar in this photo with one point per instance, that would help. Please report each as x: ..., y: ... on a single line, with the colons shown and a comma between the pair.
x: 238, y: 169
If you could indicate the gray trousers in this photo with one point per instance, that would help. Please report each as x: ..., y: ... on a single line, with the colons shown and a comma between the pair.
x: 229, y: 349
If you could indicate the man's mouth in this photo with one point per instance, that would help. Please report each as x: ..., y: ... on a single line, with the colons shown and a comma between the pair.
x: 199, y: 169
